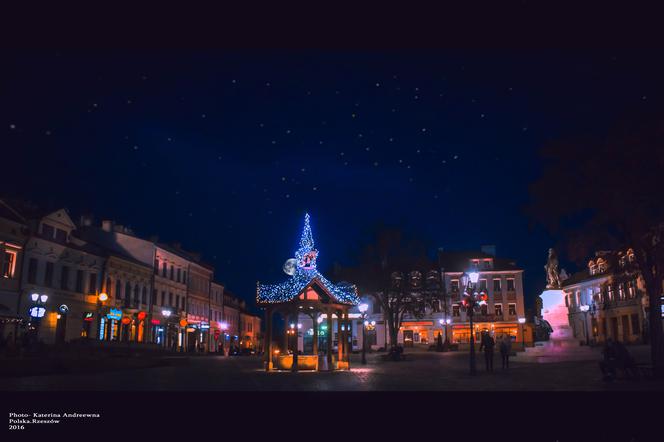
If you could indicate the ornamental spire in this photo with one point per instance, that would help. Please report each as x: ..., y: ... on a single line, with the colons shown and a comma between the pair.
x: 306, y: 254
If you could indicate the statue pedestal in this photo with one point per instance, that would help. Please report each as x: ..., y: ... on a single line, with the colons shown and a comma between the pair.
x: 556, y: 314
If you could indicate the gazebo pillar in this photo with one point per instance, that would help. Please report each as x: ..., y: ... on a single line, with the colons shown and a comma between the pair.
x: 297, y: 342
x: 330, y: 333
x: 284, y: 315
x: 349, y: 334
x: 268, y: 337
x: 340, y: 343
x: 314, y: 318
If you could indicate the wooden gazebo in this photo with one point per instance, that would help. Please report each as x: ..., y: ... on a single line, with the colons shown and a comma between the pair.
x: 306, y: 292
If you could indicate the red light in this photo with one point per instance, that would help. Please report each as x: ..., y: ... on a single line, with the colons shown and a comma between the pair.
x: 155, y: 322
x: 126, y: 320
x: 141, y: 315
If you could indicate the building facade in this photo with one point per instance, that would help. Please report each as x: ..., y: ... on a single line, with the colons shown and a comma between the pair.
x: 13, y: 236
x: 608, y: 300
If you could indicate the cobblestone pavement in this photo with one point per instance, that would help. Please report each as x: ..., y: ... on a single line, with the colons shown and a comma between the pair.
x: 421, y: 371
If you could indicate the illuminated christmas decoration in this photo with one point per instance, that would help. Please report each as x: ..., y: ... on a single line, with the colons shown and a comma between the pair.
x: 304, y: 276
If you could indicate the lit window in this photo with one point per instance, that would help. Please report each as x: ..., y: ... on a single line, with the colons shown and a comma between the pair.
x: 510, y: 284
x: 498, y: 309
x: 455, y: 310
x: 455, y: 285
x: 511, y: 309
x: 8, y: 264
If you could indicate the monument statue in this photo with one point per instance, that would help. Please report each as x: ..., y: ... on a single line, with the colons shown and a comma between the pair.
x: 551, y: 267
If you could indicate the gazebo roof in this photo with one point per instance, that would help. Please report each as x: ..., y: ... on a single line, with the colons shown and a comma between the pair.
x: 304, y: 276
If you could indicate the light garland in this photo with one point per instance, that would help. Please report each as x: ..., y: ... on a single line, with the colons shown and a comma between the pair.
x: 305, y: 274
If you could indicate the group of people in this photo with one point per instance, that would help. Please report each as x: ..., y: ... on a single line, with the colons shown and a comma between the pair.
x: 505, y: 346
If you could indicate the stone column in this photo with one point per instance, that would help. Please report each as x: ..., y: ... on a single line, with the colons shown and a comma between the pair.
x: 340, y: 344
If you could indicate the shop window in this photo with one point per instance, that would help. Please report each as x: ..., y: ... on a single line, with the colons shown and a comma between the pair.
x: 455, y: 310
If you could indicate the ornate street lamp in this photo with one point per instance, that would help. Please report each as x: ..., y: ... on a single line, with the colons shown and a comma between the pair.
x: 166, y: 314
x: 363, y: 315
x: 522, y: 321
x: 470, y: 301
x: 37, y: 311
x: 224, y: 327
x: 584, y: 309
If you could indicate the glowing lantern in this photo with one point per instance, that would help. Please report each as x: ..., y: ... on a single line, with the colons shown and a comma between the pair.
x: 126, y: 320
x: 183, y: 322
x: 141, y: 315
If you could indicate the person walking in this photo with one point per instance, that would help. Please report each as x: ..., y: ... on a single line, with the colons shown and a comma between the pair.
x: 505, y: 350
x: 487, y: 344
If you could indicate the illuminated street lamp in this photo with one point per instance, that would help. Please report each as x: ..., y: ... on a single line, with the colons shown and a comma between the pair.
x: 100, y: 301
x: 166, y: 314
x: 37, y: 311
x: 470, y: 301
x: 363, y: 314
x: 522, y: 321
x: 584, y: 309
x: 224, y: 327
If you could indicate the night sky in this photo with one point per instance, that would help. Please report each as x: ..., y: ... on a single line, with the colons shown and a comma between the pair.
x: 225, y: 151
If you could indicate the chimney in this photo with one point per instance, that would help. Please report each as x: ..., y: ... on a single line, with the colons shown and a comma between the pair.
x: 489, y: 250
x: 107, y: 225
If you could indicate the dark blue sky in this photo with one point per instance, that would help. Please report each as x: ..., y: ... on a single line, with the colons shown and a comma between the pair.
x: 224, y: 151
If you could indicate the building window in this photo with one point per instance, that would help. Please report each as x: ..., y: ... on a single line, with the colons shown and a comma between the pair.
x: 184, y: 276
x: 79, y: 281
x: 621, y: 291
x: 179, y: 274
x: 48, y: 231
x: 483, y: 286
x: 636, y: 326
x: 455, y: 285
x: 177, y: 301
x: 163, y: 269
x: 172, y: 273
x: 144, y: 295
x: 60, y: 236
x: 8, y: 264
x: 32, y: 271
x: 156, y: 266
x: 484, y: 309
x: 93, y: 283
x: 163, y: 298
x: 498, y: 309
x: 127, y: 293
x: 64, y: 278
x: 496, y: 285
x: 155, y: 296
x: 136, y: 295
x: 170, y: 299
x: 455, y: 310
x: 510, y: 285
x: 610, y: 292
x: 630, y: 289
x: 511, y: 309
x: 118, y: 289
x: 48, y: 276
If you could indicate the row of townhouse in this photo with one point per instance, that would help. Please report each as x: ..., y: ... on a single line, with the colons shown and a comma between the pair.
x: 63, y: 281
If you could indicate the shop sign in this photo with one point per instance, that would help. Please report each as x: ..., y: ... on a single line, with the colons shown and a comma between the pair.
x: 155, y: 322
x: 114, y: 313
x: 88, y: 316
x: 205, y: 325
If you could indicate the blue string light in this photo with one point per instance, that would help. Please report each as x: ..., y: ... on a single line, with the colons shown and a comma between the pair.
x: 305, y: 274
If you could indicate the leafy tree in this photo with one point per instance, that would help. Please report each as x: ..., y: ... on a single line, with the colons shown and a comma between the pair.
x: 606, y: 192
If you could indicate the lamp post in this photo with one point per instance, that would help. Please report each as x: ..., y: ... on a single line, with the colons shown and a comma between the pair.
x: 584, y: 309
x: 101, y: 298
x: 223, y: 327
x: 166, y: 314
x: 522, y: 321
x: 444, y: 323
x: 37, y: 311
x: 593, y: 310
x: 471, y: 300
x: 363, y: 315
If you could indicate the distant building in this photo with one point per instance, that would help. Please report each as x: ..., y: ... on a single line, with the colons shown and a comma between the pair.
x: 614, y: 293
